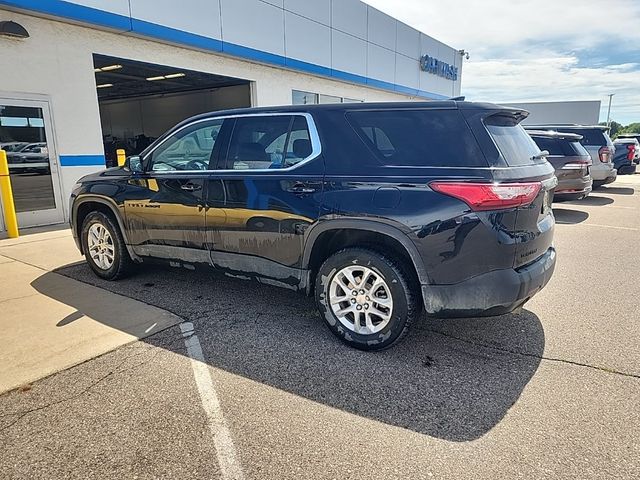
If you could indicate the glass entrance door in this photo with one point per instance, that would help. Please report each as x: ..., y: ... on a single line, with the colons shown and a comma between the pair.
x: 26, y: 135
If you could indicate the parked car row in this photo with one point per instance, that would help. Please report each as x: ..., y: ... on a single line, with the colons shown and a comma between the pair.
x: 584, y: 156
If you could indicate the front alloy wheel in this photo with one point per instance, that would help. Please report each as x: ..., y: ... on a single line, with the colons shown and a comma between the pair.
x: 100, y: 246
x: 104, y: 247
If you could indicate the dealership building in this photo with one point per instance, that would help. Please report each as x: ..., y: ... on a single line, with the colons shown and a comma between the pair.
x: 82, y: 78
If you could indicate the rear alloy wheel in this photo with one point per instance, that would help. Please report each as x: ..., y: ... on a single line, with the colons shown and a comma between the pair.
x: 365, y: 298
x: 104, y: 247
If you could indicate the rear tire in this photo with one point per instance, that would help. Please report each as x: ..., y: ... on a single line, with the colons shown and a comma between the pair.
x: 104, y: 247
x: 365, y: 298
x: 598, y: 184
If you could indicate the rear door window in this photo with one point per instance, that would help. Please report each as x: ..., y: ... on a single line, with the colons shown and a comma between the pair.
x: 438, y: 138
x: 268, y: 142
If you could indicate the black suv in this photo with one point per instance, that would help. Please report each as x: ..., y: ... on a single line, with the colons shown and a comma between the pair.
x: 571, y: 161
x: 379, y: 210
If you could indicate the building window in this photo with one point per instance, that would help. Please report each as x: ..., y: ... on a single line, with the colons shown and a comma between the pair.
x: 304, y: 98
x: 309, y: 98
x: 330, y: 99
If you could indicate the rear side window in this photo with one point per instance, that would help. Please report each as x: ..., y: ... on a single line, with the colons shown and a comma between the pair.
x: 514, y: 143
x: 438, y: 138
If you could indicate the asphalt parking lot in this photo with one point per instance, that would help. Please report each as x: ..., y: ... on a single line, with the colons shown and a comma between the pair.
x: 551, y: 392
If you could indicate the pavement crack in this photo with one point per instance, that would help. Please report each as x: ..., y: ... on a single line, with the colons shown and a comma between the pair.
x: 541, y: 357
x: 114, y: 371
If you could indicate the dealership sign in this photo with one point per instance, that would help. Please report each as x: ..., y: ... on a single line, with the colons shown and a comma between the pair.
x: 438, y: 67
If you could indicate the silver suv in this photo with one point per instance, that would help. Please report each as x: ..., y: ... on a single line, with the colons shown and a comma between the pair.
x: 596, y: 140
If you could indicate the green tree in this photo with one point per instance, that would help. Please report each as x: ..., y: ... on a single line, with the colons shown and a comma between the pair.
x: 631, y: 128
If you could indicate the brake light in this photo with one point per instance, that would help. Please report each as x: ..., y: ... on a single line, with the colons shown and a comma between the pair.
x: 631, y: 151
x: 605, y: 154
x: 490, y: 196
x: 577, y: 165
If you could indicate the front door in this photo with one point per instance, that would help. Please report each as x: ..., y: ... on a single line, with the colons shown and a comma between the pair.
x: 165, y: 206
x: 266, y: 192
x: 26, y: 134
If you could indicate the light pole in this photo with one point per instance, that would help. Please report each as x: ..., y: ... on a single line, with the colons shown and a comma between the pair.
x: 609, y: 110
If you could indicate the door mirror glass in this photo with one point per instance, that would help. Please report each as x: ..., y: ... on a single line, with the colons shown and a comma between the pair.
x: 135, y: 164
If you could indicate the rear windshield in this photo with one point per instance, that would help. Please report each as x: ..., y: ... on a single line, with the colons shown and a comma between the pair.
x: 560, y: 146
x: 590, y: 136
x: 438, y: 138
x: 514, y: 143
x: 551, y: 145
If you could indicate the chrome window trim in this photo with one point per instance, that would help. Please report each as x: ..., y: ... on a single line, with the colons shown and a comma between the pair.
x: 316, y: 146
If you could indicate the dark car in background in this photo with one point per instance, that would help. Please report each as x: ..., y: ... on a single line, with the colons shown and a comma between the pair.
x: 570, y: 160
x: 380, y: 210
x: 627, y: 155
x: 629, y: 135
x: 596, y: 140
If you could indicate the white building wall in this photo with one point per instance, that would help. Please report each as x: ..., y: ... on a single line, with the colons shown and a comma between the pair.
x: 579, y: 112
x: 56, y: 64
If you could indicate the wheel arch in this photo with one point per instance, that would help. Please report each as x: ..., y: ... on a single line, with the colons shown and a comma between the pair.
x: 82, y: 207
x: 316, y: 242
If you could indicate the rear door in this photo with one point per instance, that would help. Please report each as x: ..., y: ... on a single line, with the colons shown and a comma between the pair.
x: 265, y: 193
x: 517, y: 159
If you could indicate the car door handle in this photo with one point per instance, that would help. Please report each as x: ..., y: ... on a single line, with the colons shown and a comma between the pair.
x: 299, y: 188
x: 191, y: 187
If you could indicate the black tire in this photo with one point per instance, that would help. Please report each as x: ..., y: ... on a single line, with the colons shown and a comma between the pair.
x: 405, y: 296
x: 122, y: 263
x: 598, y: 184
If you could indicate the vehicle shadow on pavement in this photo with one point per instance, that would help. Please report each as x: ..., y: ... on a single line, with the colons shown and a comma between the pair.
x: 451, y: 379
x: 617, y: 190
x: 566, y: 216
x: 592, y: 200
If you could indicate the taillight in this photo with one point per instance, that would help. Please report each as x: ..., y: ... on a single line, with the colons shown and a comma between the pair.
x: 605, y: 154
x: 577, y: 165
x: 490, y: 196
x: 631, y: 151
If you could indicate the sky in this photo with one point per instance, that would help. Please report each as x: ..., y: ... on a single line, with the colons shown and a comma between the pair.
x: 542, y: 50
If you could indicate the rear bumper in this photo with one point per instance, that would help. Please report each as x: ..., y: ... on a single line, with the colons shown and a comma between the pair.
x: 569, y: 194
x: 628, y: 168
x: 493, y: 293
x: 573, y: 189
x: 603, y: 171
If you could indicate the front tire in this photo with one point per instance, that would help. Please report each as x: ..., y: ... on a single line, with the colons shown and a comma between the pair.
x: 366, y: 298
x: 104, y: 247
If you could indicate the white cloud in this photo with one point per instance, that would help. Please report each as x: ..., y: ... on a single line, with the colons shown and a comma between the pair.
x: 534, y: 51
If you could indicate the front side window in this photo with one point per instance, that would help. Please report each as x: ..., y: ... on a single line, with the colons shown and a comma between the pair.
x: 191, y: 148
x: 268, y: 142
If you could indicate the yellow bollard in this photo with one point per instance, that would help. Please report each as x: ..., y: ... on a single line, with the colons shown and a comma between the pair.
x: 122, y: 156
x: 6, y: 194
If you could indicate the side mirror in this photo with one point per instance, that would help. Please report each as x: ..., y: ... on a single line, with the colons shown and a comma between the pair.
x: 134, y: 164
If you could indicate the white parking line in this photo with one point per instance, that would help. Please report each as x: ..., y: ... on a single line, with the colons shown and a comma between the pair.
x: 611, y: 226
x: 222, y: 440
